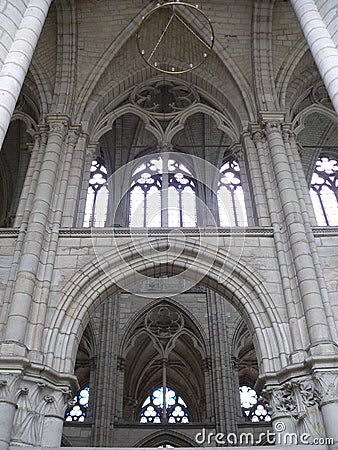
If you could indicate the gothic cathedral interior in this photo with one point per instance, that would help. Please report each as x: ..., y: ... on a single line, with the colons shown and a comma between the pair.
x: 168, y: 223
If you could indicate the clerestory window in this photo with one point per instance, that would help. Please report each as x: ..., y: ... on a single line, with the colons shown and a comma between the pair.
x: 324, y: 191
x: 230, y: 196
x: 97, y: 195
x: 162, y: 194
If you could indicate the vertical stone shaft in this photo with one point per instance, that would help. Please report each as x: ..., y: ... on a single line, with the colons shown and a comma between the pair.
x: 307, y: 280
x: 71, y: 206
x: 221, y: 366
x: 259, y: 193
x: 322, y: 44
x: 305, y: 207
x: 29, y: 262
x: 27, y: 30
x: 39, y: 306
x: 106, y: 388
x: 297, y: 342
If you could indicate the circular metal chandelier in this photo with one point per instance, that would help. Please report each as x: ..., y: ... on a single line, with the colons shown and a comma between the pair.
x: 175, y: 37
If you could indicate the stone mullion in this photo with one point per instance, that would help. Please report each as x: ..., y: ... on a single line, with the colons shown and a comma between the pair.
x: 315, y: 317
x: 75, y: 178
x: 259, y: 193
x: 39, y: 308
x: 90, y: 154
x: 36, y: 229
x: 304, y: 200
x: 118, y: 186
x: 298, y: 338
x: 18, y: 58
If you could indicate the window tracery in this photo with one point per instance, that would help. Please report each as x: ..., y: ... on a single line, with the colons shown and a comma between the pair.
x: 162, y: 194
x: 97, y: 195
x: 78, y: 411
x: 152, y: 407
x: 253, y: 408
x: 230, y: 196
x: 324, y: 191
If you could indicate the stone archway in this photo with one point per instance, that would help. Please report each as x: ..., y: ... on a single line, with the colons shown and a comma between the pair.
x: 208, y: 265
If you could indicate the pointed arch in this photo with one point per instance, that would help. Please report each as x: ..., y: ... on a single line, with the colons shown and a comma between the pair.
x: 217, y: 270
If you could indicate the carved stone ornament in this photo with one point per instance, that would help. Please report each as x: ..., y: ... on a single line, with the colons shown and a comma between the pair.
x: 72, y: 137
x: 164, y: 99
x: 9, y: 388
x: 309, y: 394
x: 280, y: 399
x: 58, y: 127
x: 164, y: 321
x: 35, y: 401
x: 258, y: 137
x: 327, y: 386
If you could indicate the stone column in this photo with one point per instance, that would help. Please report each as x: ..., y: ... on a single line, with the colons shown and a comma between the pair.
x: 284, y: 260
x: 282, y: 405
x: 38, y: 310
x: 255, y: 180
x: 306, y: 209
x: 322, y: 44
x: 33, y: 241
x: 26, y: 27
x: 105, y: 389
x: 33, y: 172
x: 319, y: 333
x: 222, y: 374
x: 74, y: 184
x: 327, y: 384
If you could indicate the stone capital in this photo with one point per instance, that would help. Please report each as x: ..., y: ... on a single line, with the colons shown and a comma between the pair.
x: 271, y: 121
x: 58, y: 124
x: 281, y: 400
x: 327, y: 386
